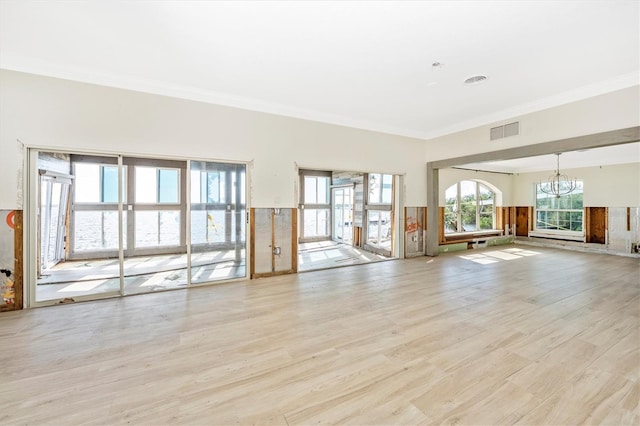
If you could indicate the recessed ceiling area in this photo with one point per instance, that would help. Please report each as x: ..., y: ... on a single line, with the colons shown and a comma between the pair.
x: 616, y: 154
x: 362, y: 64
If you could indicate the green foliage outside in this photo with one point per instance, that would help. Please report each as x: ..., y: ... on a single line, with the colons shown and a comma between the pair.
x: 563, y: 213
x: 468, y: 208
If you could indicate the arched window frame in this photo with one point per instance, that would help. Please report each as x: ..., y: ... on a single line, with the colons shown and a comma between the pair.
x: 454, y: 214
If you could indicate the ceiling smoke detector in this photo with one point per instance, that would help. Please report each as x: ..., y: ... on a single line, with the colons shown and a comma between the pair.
x: 475, y: 79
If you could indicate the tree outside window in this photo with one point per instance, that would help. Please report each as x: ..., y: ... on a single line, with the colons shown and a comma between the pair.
x: 469, y: 207
x: 564, y: 213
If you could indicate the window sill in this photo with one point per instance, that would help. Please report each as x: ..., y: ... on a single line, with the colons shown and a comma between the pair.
x: 558, y: 235
x: 471, y: 234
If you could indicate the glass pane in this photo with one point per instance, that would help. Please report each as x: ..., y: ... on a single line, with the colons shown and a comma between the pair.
x: 468, y: 205
x: 216, y: 226
x: 323, y: 190
x: 146, y: 185
x: 468, y: 214
x: 196, y: 186
x: 87, y: 183
x: 215, y: 187
x: 451, y: 209
x: 198, y: 227
x: 310, y: 190
x: 450, y: 219
x: 375, y: 183
x: 316, y: 222
x: 387, y: 185
x: 169, y: 184
x: 97, y: 230
x: 157, y: 228
x: 169, y: 227
x: 467, y: 190
x: 109, y: 184
x: 243, y: 195
x: 485, y: 206
x: 451, y: 194
x: 576, y: 221
x: 563, y: 221
x: 379, y: 229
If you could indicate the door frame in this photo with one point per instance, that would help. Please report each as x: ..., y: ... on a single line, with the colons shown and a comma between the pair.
x: 30, y: 235
x: 334, y: 219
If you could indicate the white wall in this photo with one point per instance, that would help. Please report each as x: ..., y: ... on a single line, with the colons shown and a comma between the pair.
x: 502, y: 182
x: 607, y: 186
x: 611, y: 111
x: 60, y: 114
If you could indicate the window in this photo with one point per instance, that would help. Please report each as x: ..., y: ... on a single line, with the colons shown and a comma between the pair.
x: 217, y: 204
x: 469, y: 207
x: 94, y: 213
x: 157, y: 186
x: 378, y: 213
x: 316, y: 190
x: 315, y: 199
x: 97, y: 183
x: 380, y: 188
x: 563, y: 213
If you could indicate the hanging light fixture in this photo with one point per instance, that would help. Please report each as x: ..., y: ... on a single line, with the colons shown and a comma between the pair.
x: 558, y: 184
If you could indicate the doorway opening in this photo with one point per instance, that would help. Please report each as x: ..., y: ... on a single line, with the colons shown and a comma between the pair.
x: 346, y: 218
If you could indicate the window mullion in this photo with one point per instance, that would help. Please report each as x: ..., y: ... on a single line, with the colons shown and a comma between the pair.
x: 477, y: 206
x: 459, y: 207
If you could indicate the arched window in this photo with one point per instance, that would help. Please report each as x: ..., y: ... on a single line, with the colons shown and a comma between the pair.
x: 469, y: 207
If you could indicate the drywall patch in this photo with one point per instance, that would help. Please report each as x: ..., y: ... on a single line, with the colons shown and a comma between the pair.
x: 624, y: 228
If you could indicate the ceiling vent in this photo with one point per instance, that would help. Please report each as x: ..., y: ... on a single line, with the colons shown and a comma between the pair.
x: 511, y: 129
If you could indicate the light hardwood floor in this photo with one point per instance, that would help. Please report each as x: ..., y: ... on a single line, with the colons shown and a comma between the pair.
x: 506, y: 335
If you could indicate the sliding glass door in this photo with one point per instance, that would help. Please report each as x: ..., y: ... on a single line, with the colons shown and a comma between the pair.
x: 218, y: 221
x: 115, y: 225
x: 342, y: 204
x: 155, y: 257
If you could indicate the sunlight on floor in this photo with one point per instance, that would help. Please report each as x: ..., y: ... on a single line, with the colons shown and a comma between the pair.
x: 329, y: 254
x: 498, y: 255
x: 82, y: 286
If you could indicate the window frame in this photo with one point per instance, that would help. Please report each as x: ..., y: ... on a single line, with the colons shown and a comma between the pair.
x: 319, y: 208
x: 457, y: 210
x: 559, y: 211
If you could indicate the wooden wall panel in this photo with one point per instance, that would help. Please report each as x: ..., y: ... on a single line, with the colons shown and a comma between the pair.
x: 596, y: 224
x: 522, y: 221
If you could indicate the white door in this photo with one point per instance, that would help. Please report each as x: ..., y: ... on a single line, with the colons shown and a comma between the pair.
x: 342, y: 210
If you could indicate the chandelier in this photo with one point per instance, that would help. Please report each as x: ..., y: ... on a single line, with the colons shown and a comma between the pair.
x: 558, y: 184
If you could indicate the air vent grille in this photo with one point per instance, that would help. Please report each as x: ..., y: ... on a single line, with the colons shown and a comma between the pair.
x: 505, y: 131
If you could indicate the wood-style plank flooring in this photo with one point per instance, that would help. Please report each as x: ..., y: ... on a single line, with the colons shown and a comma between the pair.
x: 505, y: 335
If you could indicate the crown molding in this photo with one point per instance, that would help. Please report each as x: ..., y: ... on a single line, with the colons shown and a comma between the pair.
x: 91, y: 76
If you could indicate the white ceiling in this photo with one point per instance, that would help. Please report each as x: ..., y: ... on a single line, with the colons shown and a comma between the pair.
x: 616, y: 154
x: 361, y: 64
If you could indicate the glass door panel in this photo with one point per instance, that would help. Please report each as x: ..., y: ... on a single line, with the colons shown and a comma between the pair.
x: 379, y: 230
x: 156, y: 257
x: 109, y: 226
x: 342, y: 215
x: 78, y: 251
x: 218, y: 218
